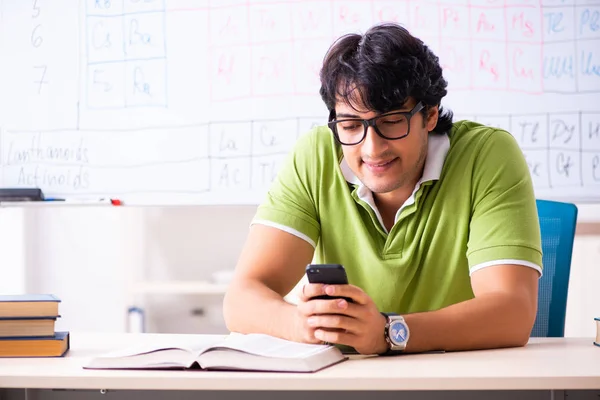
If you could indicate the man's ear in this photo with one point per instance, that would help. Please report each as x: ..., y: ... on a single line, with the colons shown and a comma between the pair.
x: 432, y: 118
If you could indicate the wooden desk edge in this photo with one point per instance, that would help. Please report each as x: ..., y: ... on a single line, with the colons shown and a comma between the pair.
x: 296, y: 382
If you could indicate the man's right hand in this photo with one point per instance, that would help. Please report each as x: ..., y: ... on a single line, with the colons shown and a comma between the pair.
x: 303, y: 332
x: 309, y: 307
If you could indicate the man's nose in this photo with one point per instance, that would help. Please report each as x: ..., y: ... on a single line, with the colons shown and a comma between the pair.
x: 373, y: 143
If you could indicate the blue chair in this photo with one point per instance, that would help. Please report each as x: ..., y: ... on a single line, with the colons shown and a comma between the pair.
x: 557, y: 224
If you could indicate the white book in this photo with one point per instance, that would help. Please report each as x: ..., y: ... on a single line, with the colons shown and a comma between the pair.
x: 252, y: 352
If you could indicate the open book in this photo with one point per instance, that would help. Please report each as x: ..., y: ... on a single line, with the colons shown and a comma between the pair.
x: 252, y: 352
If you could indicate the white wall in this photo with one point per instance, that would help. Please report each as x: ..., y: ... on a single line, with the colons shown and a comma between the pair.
x: 583, y: 303
x: 86, y: 256
x: 90, y: 256
x: 12, y: 251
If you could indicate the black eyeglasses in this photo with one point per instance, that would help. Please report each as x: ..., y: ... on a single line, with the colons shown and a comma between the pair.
x: 391, y: 126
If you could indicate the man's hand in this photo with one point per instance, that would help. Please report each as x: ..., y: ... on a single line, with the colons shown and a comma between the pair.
x: 357, y: 324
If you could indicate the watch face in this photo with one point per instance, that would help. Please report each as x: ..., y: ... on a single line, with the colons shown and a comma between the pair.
x: 398, y: 332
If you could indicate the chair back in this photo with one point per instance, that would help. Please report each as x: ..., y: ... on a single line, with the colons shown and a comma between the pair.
x: 557, y: 224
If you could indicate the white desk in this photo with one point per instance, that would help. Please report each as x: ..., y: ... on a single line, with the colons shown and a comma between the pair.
x: 543, y: 365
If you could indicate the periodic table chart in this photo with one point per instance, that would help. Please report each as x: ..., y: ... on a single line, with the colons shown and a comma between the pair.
x: 191, y: 101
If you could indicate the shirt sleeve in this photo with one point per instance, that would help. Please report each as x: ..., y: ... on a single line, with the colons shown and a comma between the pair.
x: 504, y: 226
x: 289, y: 203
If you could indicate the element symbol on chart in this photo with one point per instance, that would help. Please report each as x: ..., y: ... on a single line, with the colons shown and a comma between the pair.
x: 126, y: 54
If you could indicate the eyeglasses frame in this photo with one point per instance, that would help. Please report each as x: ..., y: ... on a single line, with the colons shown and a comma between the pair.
x: 372, y: 122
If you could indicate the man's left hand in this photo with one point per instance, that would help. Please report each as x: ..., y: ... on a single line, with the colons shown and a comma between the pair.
x: 358, y: 324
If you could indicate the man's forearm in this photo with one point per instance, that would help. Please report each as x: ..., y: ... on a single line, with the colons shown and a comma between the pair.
x: 490, y: 321
x: 253, y: 307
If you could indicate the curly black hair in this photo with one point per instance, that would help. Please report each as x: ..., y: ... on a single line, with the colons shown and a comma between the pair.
x: 384, y: 67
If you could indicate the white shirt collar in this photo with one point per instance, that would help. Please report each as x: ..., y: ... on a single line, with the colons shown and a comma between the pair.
x: 437, y: 149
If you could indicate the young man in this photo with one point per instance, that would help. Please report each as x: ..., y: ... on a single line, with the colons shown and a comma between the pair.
x: 434, y: 221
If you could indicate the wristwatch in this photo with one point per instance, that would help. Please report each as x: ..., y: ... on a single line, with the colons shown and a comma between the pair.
x: 396, y: 333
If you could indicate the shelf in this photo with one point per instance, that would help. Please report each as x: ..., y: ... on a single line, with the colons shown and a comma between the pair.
x: 179, y: 287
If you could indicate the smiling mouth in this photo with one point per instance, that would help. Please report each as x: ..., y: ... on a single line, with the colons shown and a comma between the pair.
x: 379, y: 164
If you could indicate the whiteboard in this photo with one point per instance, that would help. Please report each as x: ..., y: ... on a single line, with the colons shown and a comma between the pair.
x: 198, y: 102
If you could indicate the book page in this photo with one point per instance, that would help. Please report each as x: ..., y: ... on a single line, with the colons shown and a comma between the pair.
x: 146, y: 344
x: 269, y: 346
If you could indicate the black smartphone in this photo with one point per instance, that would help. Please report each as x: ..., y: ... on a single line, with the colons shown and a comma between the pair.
x: 329, y: 274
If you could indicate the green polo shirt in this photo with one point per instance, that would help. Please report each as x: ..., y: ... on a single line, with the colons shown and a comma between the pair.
x: 474, y: 207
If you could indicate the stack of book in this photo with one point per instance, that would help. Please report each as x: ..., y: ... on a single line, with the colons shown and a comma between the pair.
x: 27, y: 326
